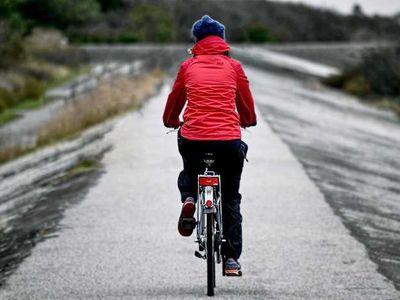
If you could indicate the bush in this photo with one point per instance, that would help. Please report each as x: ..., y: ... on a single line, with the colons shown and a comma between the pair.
x: 9, y: 11
x: 378, y: 74
x: 11, y: 45
x: 382, y: 71
x: 151, y: 23
x: 107, y: 5
x: 358, y: 86
x: 32, y: 89
x: 45, y: 39
x: 127, y: 37
x: 7, y: 99
x: 258, y: 33
x: 61, y: 13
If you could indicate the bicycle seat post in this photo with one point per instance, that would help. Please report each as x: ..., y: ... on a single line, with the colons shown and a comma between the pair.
x: 209, y: 160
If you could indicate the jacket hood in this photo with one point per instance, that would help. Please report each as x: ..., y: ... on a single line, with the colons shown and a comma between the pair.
x: 210, y: 45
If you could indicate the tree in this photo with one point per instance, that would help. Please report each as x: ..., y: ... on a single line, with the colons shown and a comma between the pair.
x: 61, y: 13
x: 9, y: 10
x: 107, y: 5
x: 357, y: 10
x: 152, y: 24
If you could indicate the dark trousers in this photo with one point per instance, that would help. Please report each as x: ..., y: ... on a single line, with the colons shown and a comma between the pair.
x: 229, y: 157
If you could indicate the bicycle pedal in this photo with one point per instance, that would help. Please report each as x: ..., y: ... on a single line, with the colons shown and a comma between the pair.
x: 199, y: 255
x: 188, y: 223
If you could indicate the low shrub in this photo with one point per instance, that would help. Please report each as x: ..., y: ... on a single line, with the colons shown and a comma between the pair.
x: 258, y: 33
x: 376, y: 79
x: 7, y: 99
x: 358, y: 86
x: 32, y: 89
x: 378, y: 74
x: 127, y: 37
x: 382, y: 71
x: 6, y: 116
x: 11, y: 45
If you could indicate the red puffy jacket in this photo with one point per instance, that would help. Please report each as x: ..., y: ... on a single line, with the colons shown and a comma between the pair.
x: 217, y: 91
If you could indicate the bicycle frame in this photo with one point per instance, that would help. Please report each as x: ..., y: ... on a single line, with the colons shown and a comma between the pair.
x: 209, y: 221
x: 209, y: 189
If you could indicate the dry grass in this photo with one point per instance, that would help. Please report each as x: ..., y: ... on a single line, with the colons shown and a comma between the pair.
x: 11, y: 152
x: 107, y: 100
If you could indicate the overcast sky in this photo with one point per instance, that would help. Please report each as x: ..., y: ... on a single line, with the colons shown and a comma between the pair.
x: 385, y: 7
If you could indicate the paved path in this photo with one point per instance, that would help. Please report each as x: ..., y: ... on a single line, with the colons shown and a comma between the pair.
x: 121, y: 241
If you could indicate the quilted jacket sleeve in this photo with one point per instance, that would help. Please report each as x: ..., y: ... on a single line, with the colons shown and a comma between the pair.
x: 176, y: 99
x: 244, y: 99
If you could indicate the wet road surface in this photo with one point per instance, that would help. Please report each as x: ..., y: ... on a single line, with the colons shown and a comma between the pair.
x: 351, y: 151
x: 37, y: 218
x: 121, y: 241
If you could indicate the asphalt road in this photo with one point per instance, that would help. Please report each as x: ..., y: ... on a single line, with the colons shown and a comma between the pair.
x: 121, y: 241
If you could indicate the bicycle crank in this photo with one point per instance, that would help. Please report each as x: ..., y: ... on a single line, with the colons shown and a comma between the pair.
x: 199, y: 255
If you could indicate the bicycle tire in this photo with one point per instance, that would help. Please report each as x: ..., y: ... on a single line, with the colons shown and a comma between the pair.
x: 210, y: 255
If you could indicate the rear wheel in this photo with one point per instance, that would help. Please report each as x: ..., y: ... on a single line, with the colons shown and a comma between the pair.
x: 210, y: 255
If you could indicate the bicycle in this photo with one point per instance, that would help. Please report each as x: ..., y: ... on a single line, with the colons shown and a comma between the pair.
x: 209, y: 221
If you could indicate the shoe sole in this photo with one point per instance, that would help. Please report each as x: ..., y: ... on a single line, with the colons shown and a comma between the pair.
x: 185, y: 217
x: 233, y: 273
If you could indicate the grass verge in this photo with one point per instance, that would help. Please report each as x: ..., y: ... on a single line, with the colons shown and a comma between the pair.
x: 83, y: 167
x: 21, y: 104
x: 107, y: 100
x: 7, y: 116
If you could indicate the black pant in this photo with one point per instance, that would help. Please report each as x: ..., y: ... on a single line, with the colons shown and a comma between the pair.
x: 229, y: 157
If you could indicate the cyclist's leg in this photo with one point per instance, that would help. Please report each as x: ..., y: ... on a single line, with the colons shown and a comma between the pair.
x: 192, y: 166
x: 231, y: 170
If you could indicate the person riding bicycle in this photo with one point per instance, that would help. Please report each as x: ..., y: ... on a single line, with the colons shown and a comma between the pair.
x: 218, y: 102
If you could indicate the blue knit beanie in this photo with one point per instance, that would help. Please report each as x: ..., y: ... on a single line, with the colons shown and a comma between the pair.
x: 207, y: 26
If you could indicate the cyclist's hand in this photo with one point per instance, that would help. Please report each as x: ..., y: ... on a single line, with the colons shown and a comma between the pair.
x: 174, y: 125
x: 244, y: 126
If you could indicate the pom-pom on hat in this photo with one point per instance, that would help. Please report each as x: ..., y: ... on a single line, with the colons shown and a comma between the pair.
x: 207, y: 26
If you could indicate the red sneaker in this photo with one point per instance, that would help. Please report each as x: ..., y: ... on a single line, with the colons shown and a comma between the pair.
x: 187, y: 222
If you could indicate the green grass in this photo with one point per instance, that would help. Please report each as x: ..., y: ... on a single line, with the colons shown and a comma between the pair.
x: 29, y: 104
x: 82, y: 167
x: 6, y: 116
x: 11, y: 113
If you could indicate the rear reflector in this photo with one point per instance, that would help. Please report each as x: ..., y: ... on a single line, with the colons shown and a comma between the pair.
x: 209, y: 203
x: 207, y: 181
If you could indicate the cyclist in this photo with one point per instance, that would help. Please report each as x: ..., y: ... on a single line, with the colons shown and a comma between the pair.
x: 219, y: 102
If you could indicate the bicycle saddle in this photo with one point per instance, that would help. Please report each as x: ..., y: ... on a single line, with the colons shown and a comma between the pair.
x: 209, y: 159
